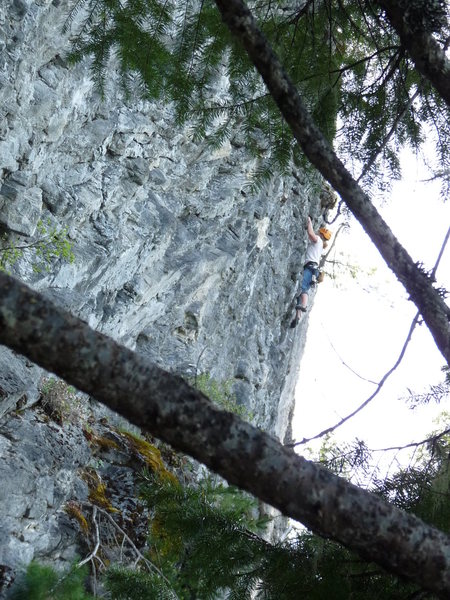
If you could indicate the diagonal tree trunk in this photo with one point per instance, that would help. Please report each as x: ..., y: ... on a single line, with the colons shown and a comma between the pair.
x: 419, y: 286
x: 170, y: 409
x: 429, y: 58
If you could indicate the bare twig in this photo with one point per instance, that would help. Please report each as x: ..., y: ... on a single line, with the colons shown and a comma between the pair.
x: 197, y: 365
x: 432, y: 439
x: 354, y: 64
x: 371, y: 397
x: 340, y: 207
x: 347, y: 365
x: 97, y: 538
x: 139, y: 556
x: 441, y: 253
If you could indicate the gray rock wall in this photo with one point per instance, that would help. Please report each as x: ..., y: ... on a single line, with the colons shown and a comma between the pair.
x: 173, y: 256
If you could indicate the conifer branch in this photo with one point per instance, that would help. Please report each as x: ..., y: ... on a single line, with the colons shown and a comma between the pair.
x: 388, y: 137
x: 234, y: 107
x: 428, y: 440
x: 294, y: 17
x: 364, y: 59
x: 428, y: 56
x: 356, y: 28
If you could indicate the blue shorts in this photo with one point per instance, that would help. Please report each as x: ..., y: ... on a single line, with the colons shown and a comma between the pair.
x: 309, y: 272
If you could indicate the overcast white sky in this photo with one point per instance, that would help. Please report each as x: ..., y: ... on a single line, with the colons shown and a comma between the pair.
x: 367, y: 321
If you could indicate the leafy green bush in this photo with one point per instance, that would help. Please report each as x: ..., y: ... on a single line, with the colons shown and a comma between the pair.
x: 220, y: 393
x: 51, y: 243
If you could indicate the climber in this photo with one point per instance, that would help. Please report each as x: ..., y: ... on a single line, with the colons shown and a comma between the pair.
x: 317, y: 242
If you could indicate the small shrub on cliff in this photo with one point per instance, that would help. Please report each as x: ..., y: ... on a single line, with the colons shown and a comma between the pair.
x: 60, y: 400
x: 220, y: 393
x: 51, y: 243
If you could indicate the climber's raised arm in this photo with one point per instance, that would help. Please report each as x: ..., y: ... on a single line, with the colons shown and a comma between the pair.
x: 311, y: 234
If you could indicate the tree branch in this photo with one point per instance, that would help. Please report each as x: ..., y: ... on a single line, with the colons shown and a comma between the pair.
x: 432, y: 439
x: 325, y: 256
x: 167, y: 407
x: 441, y: 253
x: 431, y: 305
x: 364, y: 59
x: 429, y: 58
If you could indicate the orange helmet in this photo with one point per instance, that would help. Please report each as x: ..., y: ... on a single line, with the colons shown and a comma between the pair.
x: 326, y: 233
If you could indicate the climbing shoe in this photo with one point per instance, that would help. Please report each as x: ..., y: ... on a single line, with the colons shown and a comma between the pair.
x: 300, y: 307
x: 294, y: 322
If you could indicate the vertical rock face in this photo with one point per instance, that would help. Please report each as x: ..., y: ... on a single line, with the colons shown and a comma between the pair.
x: 173, y: 256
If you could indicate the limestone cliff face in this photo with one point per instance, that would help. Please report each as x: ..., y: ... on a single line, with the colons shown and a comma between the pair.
x: 173, y: 256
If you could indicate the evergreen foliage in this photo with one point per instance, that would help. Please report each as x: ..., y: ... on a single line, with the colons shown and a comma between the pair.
x: 205, y: 543
x: 342, y: 55
x: 423, y: 487
x: 42, y: 582
x: 124, y: 584
x: 205, y: 539
x: 435, y: 393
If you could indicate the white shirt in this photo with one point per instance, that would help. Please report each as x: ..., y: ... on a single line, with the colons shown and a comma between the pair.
x: 314, y: 251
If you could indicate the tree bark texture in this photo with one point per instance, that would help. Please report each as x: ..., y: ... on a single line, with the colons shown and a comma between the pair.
x: 428, y: 57
x: 418, y: 284
x: 167, y: 407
